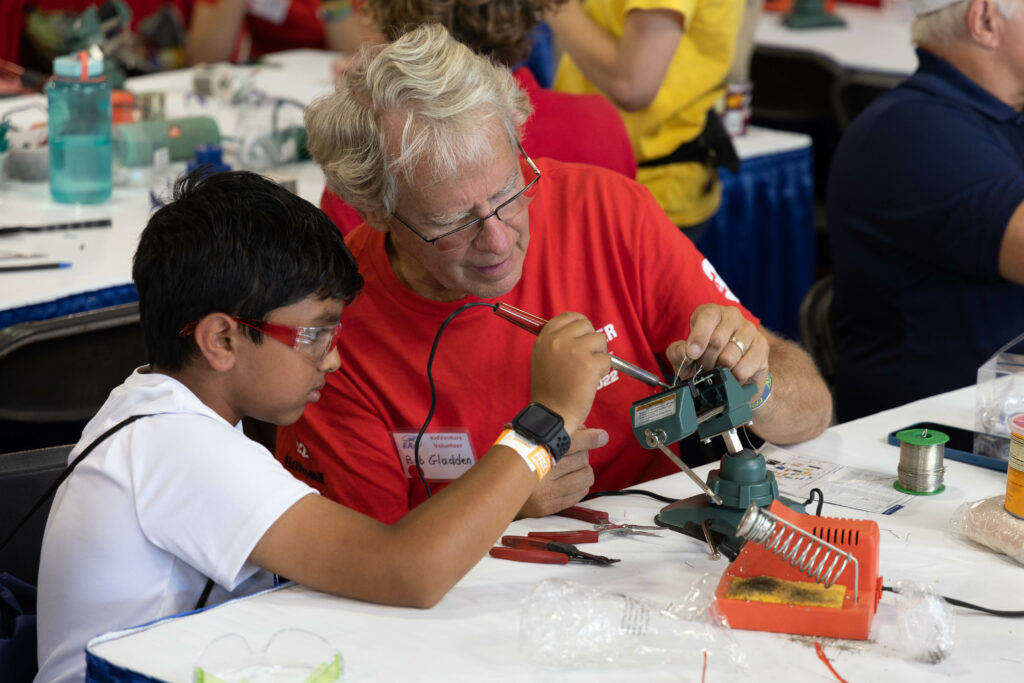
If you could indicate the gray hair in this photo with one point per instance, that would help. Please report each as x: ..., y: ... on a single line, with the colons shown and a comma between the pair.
x: 445, y: 99
x: 942, y: 27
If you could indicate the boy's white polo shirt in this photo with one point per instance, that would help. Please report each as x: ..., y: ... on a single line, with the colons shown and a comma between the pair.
x: 155, y: 509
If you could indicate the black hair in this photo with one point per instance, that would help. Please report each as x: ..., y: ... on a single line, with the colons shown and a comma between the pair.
x: 235, y: 243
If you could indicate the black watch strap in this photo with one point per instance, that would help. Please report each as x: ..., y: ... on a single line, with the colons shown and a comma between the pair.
x: 545, y: 427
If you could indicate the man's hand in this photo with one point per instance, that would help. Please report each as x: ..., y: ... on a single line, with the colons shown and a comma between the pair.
x: 721, y: 337
x: 569, y: 480
x: 801, y: 406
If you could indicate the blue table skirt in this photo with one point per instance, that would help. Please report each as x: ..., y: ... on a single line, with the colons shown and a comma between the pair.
x: 761, y: 241
x: 75, y: 303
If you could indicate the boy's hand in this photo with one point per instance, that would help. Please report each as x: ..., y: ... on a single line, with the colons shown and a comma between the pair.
x: 569, y: 360
x: 569, y: 480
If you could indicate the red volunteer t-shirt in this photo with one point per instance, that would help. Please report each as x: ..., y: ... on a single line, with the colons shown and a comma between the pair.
x: 599, y: 245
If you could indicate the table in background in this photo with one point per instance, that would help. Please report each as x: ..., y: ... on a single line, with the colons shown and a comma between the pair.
x: 101, y: 259
x: 875, y: 40
x: 766, y: 211
x: 761, y: 241
x: 472, y: 633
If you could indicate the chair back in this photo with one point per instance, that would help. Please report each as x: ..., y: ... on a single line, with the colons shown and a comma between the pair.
x: 24, y: 476
x: 57, y: 373
x: 817, y: 328
x: 792, y: 91
x: 855, y: 90
x: 791, y: 86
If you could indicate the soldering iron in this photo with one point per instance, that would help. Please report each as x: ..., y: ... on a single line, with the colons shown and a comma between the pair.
x: 534, y: 324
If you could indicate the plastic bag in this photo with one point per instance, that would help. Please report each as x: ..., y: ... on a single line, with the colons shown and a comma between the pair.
x: 987, y: 522
x: 567, y: 624
x: 925, y: 622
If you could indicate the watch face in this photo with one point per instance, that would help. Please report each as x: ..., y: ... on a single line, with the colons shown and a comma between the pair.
x: 538, y: 421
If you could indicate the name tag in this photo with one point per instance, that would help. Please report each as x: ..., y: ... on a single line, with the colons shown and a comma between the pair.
x: 273, y: 11
x: 444, y: 456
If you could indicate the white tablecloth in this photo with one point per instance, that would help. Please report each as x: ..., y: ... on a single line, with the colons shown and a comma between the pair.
x: 473, y: 633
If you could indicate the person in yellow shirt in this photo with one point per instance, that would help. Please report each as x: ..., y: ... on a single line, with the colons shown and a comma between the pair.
x: 663, y: 63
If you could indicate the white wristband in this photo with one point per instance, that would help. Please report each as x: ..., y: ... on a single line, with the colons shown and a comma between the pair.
x: 536, y: 457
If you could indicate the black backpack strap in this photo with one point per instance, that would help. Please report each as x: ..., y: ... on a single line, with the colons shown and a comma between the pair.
x: 65, y: 474
x: 205, y: 595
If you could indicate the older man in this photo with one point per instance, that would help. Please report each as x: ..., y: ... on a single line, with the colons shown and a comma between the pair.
x: 422, y: 139
x: 926, y: 213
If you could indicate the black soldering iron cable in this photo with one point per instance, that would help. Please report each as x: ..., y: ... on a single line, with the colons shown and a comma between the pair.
x: 960, y: 603
x: 433, y: 389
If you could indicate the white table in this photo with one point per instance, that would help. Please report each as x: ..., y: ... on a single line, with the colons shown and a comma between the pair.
x: 876, y: 40
x: 101, y: 258
x: 472, y: 634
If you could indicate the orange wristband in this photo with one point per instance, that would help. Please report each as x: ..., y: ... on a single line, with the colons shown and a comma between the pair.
x: 536, y: 457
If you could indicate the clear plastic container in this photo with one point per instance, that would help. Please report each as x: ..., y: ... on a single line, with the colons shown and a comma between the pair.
x: 999, y: 393
x: 78, y: 99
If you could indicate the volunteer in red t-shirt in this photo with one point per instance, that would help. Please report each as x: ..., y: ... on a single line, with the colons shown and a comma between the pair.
x: 422, y: 141
x: 217, y: 27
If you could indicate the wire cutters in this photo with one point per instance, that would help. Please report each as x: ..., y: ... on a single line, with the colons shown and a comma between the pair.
x: 524, y: 549
x: 594, y: 535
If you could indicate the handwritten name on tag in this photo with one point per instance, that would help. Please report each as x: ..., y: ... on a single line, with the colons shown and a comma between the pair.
x: 443, y: 455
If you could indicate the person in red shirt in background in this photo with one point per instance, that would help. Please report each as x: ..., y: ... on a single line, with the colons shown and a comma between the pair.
x: 577, y: 128
x: 239, y: 30
x: 32, y: 32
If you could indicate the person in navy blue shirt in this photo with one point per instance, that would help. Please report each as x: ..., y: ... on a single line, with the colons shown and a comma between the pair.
x: 926, y: 213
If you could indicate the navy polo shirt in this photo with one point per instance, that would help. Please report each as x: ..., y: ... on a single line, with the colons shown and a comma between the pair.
x: 920, y: 192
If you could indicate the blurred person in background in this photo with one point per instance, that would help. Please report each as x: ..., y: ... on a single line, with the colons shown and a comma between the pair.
x: 926, y: 213
x: 664, y: 65
x: 241, y: 30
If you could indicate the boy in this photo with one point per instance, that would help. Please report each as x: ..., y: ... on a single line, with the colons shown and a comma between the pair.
x: 181, y: 494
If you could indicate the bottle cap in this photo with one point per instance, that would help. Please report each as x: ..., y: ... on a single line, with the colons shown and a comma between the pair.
x: 70, y: 66
x: 208, y: 156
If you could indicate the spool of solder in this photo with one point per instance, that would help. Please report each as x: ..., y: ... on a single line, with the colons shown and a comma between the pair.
x: 921, y: 461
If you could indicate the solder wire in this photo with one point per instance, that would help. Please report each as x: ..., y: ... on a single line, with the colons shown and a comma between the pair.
x: 921, y: 468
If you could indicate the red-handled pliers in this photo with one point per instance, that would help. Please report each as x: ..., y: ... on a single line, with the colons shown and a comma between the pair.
x: 585, y: 514
x: 524, y: 549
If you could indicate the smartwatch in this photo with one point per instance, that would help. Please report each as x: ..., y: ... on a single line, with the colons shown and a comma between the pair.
x: 544, y: 427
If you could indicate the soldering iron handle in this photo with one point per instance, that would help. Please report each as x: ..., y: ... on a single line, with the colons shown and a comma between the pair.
x: 527, y: 321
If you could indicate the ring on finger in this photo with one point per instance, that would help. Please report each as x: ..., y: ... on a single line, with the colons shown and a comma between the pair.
x: 739, y: 345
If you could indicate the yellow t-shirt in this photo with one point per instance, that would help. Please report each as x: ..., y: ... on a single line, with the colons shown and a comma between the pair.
x: 694, y: 82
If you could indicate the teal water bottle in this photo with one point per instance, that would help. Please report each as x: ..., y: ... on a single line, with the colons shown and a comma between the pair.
x: 78, y: 97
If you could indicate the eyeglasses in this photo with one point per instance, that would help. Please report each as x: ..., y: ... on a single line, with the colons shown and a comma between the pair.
x: 506, y: 211
x: 314, y: 342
